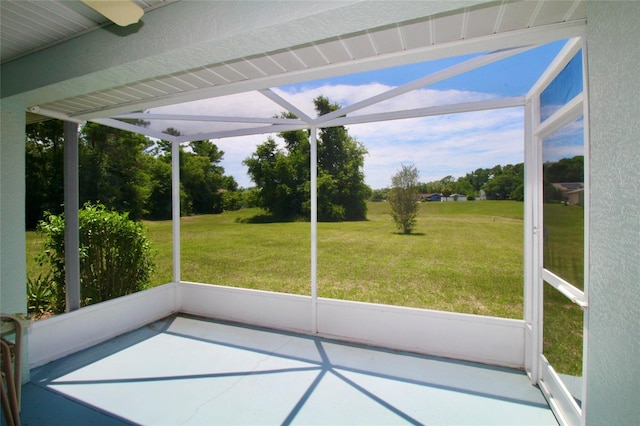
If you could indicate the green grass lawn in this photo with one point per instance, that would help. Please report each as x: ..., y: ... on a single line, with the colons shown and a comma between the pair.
x: 463, y: 256
x: 564, y: 256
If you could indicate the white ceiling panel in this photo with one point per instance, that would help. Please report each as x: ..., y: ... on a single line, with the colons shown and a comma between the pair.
x: 335, y: 51
x: 267, y: 65
x: 30, y: 25
x: 449, y: 27
x: 147, y: 90
x: 326, y: 57
x: 177, y: 83
x: 549, y: 11
x: 193, y: 80
x: 387, y: 40
x: 210, y: 76
x: 517, y: 15
x: 287, y: 61
x: 311, y: 56
x: 360, y: 46
x: 228, y: 72
x: 482, y: 21
x: 248, y: 70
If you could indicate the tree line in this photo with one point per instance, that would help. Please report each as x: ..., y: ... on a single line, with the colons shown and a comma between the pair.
x: 282, y: 175
x: 497, y: 183
x: 127, y: 172
x: 123, y: 171
x: 500, y: 182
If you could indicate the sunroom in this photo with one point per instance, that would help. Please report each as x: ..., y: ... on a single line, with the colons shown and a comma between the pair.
x: 247, y: 55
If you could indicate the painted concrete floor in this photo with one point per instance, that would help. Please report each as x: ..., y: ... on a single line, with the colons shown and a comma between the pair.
x: 186, y: 370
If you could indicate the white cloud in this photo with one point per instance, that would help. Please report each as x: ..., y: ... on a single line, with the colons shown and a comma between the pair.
x: 439, y: 146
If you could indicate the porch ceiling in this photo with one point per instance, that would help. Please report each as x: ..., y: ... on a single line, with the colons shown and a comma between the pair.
x: 478, y: 27
x: 32, y: 25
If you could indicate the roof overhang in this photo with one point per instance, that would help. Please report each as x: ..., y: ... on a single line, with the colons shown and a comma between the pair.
x: 185, y: 52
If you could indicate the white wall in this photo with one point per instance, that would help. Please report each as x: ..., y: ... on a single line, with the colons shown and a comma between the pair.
x: 67, y: 333
x: 497, y: 341
x: 488, y: 340
x: 613, y: 340
x: 12, y: 215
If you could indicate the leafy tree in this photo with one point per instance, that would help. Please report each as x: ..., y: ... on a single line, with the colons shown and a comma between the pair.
x: 478, y: 178
x: 464, y: 186
x: 565, y: 170
x: 403, y: 198
x: 44, y: 170
x: 431, y: 187
x: 159, y: 201
x: 505, y: 181
x: 274, y: 175
x: 282, y: 175
x: 203, y: 178
x: 447, y: 185
x: 113, y: 169
x: 232, y: 200
x: 115, y: 255
x: 379, y: 194
x: 342, y: 158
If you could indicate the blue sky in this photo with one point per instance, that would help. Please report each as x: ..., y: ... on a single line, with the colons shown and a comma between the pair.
x: 439, y: 146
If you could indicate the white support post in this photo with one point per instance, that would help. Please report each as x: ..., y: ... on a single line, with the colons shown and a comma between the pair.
x: 175, y: 208
x: 314, y: 228
x: 531, y: 237
x: 72, y: 223
x: 538, y: 242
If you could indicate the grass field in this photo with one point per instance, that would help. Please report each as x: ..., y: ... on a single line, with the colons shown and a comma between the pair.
x: 463, y: 257
x: 564, y: 256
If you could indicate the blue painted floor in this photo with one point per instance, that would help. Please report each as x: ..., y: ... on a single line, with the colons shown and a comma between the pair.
x: 186, y: 370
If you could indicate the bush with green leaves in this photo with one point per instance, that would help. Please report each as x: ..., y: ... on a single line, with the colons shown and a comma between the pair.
x: 115, y: 254
x: 403, y: 198
x: 41, y: 296
x: 232, y: 200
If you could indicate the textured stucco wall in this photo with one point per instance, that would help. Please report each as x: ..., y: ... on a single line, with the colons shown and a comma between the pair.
x: 613, y: 342
x: 12, y: 225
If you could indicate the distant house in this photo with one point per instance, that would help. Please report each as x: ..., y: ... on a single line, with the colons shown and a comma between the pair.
x: 575, y: 197
x: 455, y: 197
x: 430, y: 197
x: 572, y: 192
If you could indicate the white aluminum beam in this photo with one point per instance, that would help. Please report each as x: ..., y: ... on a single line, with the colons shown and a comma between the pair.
x: 538, y: 35
x: 286, y: 124
x: 557, y: 65
x: 54, y: 114
x: 313, y: 141
x: 571, y: 292
x: 286, y: 104
x: 117, y: 124
x: 429, y: 111
x: 565, y: 115
x: 241, y: 132
x: 175, y: 208
x: 72, y: 223
x: 208, y: 118
x: 437, y: 76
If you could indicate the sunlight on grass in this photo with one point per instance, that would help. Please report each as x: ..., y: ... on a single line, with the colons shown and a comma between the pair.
x: 460, y: 259
x: 463, y: 257
x: 564, y: 256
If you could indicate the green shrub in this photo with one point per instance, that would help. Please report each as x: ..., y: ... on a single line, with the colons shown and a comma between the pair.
x: 41, y: 296
x: 115, y: 255
x: 232, y: 200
